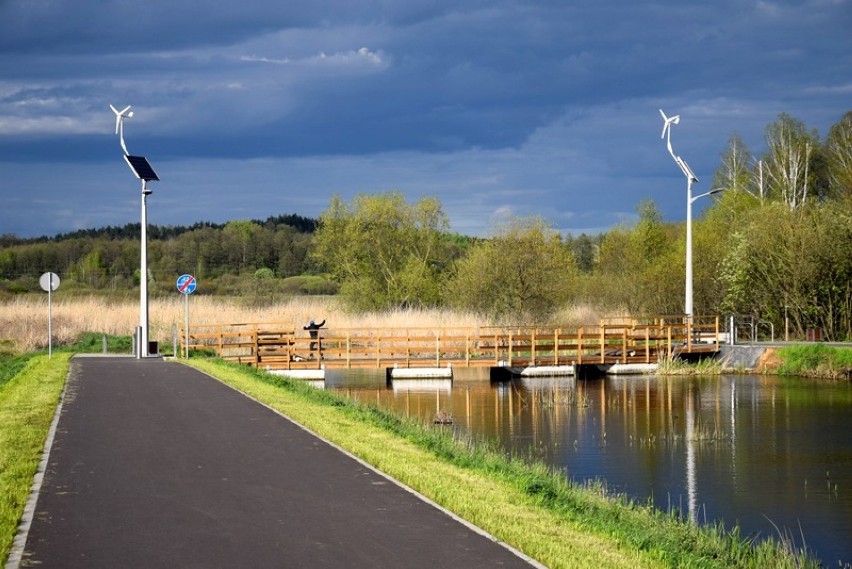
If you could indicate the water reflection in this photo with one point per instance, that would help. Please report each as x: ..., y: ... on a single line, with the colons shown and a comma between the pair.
x: 771, y: 454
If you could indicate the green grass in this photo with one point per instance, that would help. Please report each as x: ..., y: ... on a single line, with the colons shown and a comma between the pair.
x: 816, y: 360
x: 28, y: 400
x: 527, y: 505
x: 92, y: 343
x: 676, y: 366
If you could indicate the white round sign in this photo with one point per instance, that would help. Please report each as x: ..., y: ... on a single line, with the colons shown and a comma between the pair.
x: 49, y: 282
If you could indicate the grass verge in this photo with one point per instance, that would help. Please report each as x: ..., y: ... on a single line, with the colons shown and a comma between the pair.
x: 528, y: 506
x: 816, y: 360
x: 28, y: 400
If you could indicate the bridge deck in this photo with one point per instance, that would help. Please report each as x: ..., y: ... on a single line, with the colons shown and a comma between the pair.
x: 279, y: 346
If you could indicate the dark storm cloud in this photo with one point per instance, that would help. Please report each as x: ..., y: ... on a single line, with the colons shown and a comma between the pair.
x: 522, y: 107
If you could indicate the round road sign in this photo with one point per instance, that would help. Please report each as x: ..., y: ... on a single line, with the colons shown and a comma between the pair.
x: 186, y: 284
x: 49, y: 282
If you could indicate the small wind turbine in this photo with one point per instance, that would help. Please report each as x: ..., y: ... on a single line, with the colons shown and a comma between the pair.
x: 119, y: 124
x: 667, y: 134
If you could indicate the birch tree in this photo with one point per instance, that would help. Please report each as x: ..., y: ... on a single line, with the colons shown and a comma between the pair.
x: 787, y: 164
x: 838, y: 157
x: 734, y: 173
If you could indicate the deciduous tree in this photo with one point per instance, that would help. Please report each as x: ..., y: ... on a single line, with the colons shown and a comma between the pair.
x: 525, y: 273
x: 383, y: 251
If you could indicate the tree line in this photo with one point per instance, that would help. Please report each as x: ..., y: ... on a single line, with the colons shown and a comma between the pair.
x: 775, y: 245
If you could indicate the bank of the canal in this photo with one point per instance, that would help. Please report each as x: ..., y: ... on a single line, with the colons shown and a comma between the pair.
x: 533, y: 508
x: 829, y: 361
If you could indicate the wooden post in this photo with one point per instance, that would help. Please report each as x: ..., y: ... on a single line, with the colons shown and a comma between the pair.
x: 532, y: 348
x: 603, y: 342
x: 669, y: 349
x: 690, y: 323
x: 438, y: 349
x: 556, y: 347
x: 647, y: 344
x: 580, y: 345
x: 510, y: 349
x: 624, y: 345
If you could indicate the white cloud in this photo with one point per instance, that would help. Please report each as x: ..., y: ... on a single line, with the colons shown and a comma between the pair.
x: 341, y: 58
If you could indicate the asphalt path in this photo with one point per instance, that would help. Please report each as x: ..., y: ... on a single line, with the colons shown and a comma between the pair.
x: 155, y: 464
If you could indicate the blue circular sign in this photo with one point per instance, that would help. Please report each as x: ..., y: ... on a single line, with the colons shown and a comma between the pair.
x: 186, y: 284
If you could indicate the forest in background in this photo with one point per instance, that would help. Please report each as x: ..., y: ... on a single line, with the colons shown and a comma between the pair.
x: 776, y: 244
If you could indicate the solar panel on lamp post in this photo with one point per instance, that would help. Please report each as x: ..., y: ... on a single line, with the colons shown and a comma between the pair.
x: 143, y: 171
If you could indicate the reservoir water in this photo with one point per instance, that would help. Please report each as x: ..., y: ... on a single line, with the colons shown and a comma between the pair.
x: 773, y: 455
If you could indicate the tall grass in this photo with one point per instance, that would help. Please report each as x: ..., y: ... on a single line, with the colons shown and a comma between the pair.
x: 677, y: 366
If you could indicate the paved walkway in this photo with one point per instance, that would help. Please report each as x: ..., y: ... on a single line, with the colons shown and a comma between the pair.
x: 155, y: 464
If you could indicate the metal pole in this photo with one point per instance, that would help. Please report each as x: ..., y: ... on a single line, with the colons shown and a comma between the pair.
x: 186, y: 326
x: 49, y: 320
x: 143, y: 277
x: 688, y: 292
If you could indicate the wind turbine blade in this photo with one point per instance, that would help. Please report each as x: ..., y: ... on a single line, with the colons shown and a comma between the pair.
x: 667, y: 123
x: 114, y: 109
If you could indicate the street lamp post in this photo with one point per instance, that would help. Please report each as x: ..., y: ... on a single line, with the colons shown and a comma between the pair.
x: 690, y: 179
x: 143, y: 278
x: 689, y: 201
x: 143, y: 171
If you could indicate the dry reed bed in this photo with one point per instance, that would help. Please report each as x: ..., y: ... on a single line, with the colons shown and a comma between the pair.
x: 24, y: 320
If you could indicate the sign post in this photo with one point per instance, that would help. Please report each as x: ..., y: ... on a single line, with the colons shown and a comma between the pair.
x: 49, y: 282
x: 186, y: 285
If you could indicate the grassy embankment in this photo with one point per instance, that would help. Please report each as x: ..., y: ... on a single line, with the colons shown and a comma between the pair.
x: 811, y: 360
x: 30, y: 386
x: 528, y: 506
x: 816, y: 360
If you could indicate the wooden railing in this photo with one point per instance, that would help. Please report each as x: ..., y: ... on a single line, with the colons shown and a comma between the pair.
x: 282, y: 346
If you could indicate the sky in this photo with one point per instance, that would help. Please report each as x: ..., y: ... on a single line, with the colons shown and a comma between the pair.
x: 500, y: 109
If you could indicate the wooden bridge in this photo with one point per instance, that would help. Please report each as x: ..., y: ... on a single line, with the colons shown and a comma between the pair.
x: 276, y: 346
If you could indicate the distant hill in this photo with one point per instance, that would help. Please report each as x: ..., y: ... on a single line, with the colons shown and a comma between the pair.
x: 133, y: 230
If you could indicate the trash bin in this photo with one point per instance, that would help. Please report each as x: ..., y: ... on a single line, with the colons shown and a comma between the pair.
x: 153, y: 348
